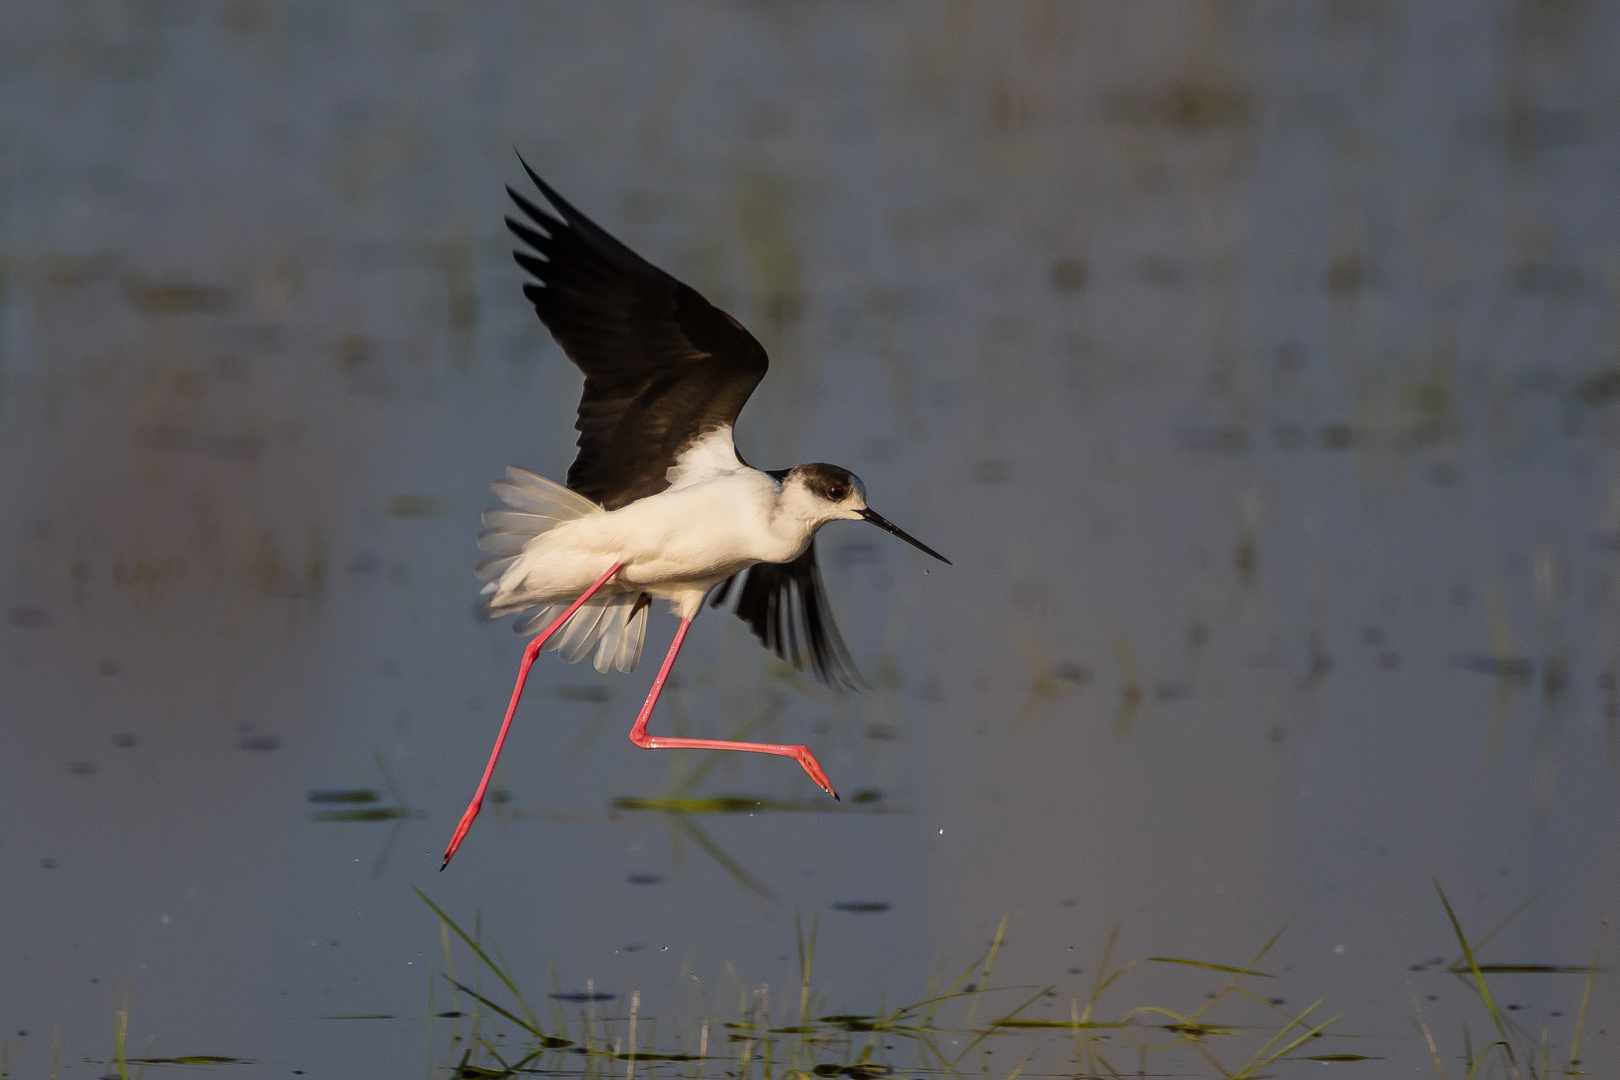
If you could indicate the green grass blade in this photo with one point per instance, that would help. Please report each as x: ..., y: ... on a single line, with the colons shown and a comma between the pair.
x: 1248, y: 1070
x: 1248, y: 968
x: 1270, y: 942
x: 500, y: 973
x: 807, y: 957
x: 524, y: 1005
x: 1525, y: 969
x: 1104, y: 980
x: 1422, y: 1027
x: 1586, y: 999
x: 1479, y: 980
x: 926, y: 1021
x: 119, y: 1035
x: 1297, y: 1021
x: 519, y: 1021
x: 985, y: 1034
x: 936, y: 1001
x: 1482, y: 942
x: 1064, y: 1025
x: 1473, y: 964
x: 1022, y: 1065
x: 989, y: 965
x: 1211, y: 967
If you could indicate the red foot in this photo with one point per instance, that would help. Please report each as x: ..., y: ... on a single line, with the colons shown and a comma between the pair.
x: 813, y: 767
x: 461, y: 830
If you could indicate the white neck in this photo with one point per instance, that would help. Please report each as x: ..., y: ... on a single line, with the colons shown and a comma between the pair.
x: 797, y: 515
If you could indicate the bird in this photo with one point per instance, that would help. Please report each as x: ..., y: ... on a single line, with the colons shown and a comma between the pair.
x: 658, y: 504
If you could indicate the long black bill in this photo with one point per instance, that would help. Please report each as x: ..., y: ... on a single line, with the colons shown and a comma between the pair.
x: 883, y: 523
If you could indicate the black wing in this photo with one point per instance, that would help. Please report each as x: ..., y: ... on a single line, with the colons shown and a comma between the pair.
x: 662, y: 365
x: 785, y: 606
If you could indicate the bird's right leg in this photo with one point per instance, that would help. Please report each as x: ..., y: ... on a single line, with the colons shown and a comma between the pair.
x: 529, y: 653
x: 639, y: 736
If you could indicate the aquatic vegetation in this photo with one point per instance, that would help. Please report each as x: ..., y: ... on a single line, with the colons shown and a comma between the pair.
x: 949, y: 1030
x: 1515, y: 1052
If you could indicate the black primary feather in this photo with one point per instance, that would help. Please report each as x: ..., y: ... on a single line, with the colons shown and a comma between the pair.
x: 662, y: 365
x: 786, y: 607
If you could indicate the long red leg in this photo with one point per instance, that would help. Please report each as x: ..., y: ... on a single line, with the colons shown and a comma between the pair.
x: 529, y: 653
x: 639, y: 736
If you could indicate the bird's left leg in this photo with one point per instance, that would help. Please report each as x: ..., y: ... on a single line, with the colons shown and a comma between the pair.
x: 530, y: 651
x: 639, y: 736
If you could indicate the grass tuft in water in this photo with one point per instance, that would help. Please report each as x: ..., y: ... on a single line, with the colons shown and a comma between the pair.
x: 1515, y: 1052
x: 943, y: 1033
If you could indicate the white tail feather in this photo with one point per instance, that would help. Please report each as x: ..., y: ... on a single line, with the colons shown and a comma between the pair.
x: 613, y: 626
x: 529, y: 625
x: 537, y: 506
x: 634, y: 632
x: 534, y: 494
x: 578, y: 635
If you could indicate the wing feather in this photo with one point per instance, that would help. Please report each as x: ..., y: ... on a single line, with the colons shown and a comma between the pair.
x: 662, y: 365
x: 786, y: 607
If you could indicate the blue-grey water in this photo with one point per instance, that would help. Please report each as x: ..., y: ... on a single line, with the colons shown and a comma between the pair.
x: 1257, y: 365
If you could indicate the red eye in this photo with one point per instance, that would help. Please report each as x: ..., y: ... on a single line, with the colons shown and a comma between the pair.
x: 835, y: 492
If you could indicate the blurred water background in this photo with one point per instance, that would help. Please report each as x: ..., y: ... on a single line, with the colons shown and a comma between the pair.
x: 1256, y: 364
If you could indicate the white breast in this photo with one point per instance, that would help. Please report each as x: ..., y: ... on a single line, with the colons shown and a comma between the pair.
x: 702, y: 530
x: 710, y: 456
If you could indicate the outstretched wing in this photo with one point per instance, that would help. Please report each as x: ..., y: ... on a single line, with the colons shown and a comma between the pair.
x: 785, y: 606
x: 662, y: 365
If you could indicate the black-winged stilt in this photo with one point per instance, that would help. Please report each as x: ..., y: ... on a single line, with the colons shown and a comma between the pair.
x: 659, y: 505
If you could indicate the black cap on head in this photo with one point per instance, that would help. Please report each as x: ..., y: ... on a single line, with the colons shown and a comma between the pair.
x: 830, y: 482
x: 834, y: 483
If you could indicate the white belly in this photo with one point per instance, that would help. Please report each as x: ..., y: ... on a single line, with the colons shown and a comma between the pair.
x: 675, y: 545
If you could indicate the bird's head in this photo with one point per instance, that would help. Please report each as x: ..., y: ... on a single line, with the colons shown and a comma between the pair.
x: 822, y: 493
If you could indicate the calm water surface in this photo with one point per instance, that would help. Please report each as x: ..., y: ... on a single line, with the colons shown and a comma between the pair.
x: 1256, y: 365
